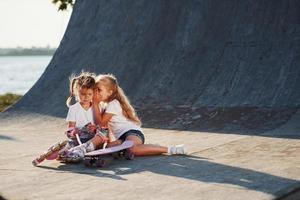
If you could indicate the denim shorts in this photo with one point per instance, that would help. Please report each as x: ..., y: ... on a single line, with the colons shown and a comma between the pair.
x: 137, y: 133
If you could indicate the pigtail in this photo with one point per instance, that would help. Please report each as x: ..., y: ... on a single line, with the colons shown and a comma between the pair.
x: 72, y: 84
x: 84, y: 80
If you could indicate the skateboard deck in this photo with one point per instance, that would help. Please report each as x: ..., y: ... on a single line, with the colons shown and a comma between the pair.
x: 51, y: 153
x: 103, y: 157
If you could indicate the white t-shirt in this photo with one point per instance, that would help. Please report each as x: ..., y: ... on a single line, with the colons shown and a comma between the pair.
x: 79, y: 115
x: 119, y: 123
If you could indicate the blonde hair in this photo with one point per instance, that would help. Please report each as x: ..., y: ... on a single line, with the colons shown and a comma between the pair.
x: 83, y: 80
x: 110, y: 82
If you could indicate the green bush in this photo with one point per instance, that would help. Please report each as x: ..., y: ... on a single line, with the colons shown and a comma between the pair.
x: 8, y: 99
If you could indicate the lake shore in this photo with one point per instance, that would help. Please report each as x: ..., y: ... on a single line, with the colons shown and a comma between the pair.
x: 19, y: 73
x: 7, y: 100
x: 33, y: 51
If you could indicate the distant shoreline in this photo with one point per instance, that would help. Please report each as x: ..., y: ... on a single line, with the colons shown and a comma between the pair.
x: 25, y: 56
x: 34, y: 51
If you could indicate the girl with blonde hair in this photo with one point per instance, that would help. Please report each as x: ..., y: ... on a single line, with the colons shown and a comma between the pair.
x: 112, y: 108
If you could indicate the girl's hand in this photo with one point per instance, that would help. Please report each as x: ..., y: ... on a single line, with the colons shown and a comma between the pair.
x: 96, y: 97
x: 71, y: 132
x: 92, y: 128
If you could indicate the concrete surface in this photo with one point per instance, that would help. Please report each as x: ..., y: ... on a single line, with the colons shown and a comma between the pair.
x: 222, y: 77
x: 220, y: 166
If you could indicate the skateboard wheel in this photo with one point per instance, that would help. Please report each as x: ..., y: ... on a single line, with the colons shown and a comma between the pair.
x: 101, y: 163
x: 35, y: 162
x: 87, y: 163
x: 129, y: 155
x: 116, y: 155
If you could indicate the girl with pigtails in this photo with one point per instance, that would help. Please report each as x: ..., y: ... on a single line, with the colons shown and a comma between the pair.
x: 80, y: 114
x: 121, y: 117
x: 80, y: 119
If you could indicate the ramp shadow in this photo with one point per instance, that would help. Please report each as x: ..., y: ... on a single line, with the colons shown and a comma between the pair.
x: 187, y: 167
x: 76, y: 168
x: 204, y: 170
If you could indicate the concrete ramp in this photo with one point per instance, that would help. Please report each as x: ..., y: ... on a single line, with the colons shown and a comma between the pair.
x: 222, y: 77
x: 235, y: 61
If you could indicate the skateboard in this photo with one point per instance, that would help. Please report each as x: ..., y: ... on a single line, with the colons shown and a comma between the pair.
x: 102, y: 157
x: 51, y: 153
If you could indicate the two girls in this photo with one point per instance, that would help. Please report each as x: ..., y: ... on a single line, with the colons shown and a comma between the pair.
x: 111, y: 108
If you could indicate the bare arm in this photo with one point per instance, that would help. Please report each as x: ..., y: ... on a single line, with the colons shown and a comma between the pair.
x: 71, y: 124
x: 72, y: 130
x: 96, y: 109
x: 100, y: 118
x: 111, y: 136
x: 97, y: 114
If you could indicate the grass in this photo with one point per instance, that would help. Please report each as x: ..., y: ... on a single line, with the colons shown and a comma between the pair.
x: 7, y: 100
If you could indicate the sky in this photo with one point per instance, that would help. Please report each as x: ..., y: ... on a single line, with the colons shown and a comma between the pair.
x: 27, y: 23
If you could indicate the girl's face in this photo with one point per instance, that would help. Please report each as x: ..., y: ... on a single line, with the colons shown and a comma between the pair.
x: 103, y: 92
x: 85, y: 95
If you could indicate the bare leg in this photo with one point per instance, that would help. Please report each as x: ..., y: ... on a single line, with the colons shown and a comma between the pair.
x: 140, y: 149
x: 114, y: 143
x: 97, y: 141
x: 148, y: 150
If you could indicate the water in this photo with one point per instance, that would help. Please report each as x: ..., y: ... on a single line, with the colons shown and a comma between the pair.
x: 19, y: 73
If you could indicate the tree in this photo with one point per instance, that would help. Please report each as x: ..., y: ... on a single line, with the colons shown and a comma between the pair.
x: 63, y: 4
